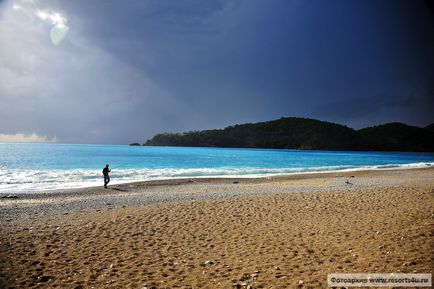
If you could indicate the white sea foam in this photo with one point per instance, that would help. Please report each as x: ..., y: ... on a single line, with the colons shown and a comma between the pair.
x: 21, y: 181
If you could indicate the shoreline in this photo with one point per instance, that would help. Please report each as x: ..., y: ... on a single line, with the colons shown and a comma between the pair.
x: 90, y: 199
x: 282, y: 232
x: 54, y: 193
x: 162, y: 181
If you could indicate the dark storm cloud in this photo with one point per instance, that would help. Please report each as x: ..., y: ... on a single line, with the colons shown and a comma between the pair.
x: 129, y: 69
x: 359, y: 112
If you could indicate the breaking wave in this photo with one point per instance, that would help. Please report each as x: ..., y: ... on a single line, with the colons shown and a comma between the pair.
x: 41, y: 180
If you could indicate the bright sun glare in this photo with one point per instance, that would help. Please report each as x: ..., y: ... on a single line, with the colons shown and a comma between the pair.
x: 58, y: 31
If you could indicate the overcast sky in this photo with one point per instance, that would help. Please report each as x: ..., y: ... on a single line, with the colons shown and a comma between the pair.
x: 120, y: 71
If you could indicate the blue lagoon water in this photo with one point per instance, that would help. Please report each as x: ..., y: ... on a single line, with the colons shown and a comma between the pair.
x: 35, y: 167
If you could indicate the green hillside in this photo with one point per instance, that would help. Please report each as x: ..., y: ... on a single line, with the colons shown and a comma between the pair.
x: 304, y: 133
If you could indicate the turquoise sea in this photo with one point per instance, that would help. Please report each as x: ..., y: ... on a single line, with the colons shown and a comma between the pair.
x: 36, y: 167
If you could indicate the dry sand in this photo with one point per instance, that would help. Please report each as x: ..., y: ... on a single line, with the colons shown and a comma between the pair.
x: 283, y: 232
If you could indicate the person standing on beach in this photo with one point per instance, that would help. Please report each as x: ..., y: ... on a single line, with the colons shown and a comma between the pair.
x: 105, y: 172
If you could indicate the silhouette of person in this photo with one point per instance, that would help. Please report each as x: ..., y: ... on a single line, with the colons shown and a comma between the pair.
x: 105, y: 172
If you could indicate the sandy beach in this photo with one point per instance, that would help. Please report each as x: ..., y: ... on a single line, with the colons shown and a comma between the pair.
x: 279, y: 232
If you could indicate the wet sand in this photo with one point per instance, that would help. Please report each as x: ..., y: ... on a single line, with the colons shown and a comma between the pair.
x: 281, y: 232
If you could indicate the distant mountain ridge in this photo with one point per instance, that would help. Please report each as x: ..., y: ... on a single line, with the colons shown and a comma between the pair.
x: 430, y: 127
x: 305, y: 133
